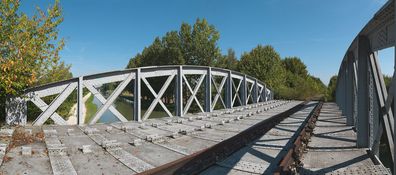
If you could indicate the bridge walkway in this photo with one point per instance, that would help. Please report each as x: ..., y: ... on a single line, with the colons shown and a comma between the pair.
x: 264, y: 154
x: 124, y: 148
x: 332, y: 149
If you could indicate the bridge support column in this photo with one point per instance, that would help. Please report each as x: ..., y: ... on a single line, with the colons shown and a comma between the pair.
x: 264, y: 93
x: 255, y: 91
x: 228, y: 90
x: 363, y: 135
x: 16, y: 111
x: 208, y: 90
x: 244, y: 91
x: 394, y: 95
x: 80, y: 101
x: 179, y: 92
x: 349, y: 89
x: 137, y: 97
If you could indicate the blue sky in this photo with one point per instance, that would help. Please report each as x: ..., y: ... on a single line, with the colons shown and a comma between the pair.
x: 103, y: 35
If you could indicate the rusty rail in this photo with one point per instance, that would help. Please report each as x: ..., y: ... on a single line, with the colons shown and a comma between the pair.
x: 292, y: 160
x: 199, y: 161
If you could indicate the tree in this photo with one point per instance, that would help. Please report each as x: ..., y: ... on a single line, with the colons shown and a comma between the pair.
x: 199, y: 43
x: 295, y: 66
x: 195, y: 45
x: 228, y: 61
x: 29, y: 49
x: 29, y: 46
x: 331, y: 88
x: 388, y: 81
x: 264, y: 63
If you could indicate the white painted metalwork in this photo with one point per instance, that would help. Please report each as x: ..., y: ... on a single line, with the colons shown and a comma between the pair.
x: 232, y: 87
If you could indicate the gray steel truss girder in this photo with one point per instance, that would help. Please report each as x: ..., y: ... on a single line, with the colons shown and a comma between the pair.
x: 386, y: 118
x: 363, y: 132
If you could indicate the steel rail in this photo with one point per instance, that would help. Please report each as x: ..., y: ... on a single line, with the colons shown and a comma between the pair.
x: 203, y: 159
x: 291, y: 161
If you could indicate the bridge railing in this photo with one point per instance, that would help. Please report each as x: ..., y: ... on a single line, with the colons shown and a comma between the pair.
x: 361, y: 92
x: 234, y: 88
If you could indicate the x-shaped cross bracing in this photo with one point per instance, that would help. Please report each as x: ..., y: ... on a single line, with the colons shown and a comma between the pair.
x: 107, y: 104
x: 260, y: 94
x: 249, y: 93
x: 103, y: 100
x: 157, y: 97
x: 236, y: 92
x: 193, y: 93
x: 218, y: 92
x: 49, y: 110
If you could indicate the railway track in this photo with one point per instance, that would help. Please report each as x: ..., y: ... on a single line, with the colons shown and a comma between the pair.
x: 216, y: 159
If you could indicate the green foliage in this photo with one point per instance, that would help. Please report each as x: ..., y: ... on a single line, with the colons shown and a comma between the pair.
x: 295, y: 66
x: 30, y: 46
x: 195, y: 45
x: 388, y: 81
x: 91, y: 109
x: 330, y: 95
x: 299, y: 84
x: 264, y: 63
x: 29, y: 52
x: 228, y: 61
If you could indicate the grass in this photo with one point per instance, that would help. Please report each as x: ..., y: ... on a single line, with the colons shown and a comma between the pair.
x: 91, y: 109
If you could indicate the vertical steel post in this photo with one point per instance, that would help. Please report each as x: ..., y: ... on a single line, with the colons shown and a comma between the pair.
x: 80, y: 101
x: 255, y: 91
x: 264, y: 93
x: 343, y: 88
x: 179, y: 92
x: 137, y: 97
x: 208, y: 90
x: 228, y: 90
x: 244, y: 91
x: 394, y: 96
x: 355, y: 87
x: 363, y: 135
x: 349, y: 90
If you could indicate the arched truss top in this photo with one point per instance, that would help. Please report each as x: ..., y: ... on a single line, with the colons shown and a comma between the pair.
x: 233, y: 87
x: 360, y: 91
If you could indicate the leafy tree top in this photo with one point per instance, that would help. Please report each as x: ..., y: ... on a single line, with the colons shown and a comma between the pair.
x: 29, y: 47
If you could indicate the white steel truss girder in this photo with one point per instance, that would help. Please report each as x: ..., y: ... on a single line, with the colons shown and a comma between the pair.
x: 158, y: 96
x: 233, y: 91
x: 103, y: 100
x: 236, y: 92
x: 112, y: 98
x: 49, y: 111
x: 193, y: 93
x: 218, y: 91
x: 250, y: 92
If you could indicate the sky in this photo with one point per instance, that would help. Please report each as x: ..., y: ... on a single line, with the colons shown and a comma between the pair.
x: 103, y: 35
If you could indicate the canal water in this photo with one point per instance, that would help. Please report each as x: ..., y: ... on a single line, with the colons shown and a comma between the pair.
x: 125, y: 107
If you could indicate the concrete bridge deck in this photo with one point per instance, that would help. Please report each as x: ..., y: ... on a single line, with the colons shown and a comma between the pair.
x: 137, y: 147
x: 124, y: 148
x: 263, y: 155
x: 332, y: 149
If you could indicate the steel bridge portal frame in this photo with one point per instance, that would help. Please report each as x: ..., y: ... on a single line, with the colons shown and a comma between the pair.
x: 234, y: 84
x: 361, y: 92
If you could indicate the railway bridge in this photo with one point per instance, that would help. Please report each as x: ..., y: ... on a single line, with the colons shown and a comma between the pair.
x: 211, y: 121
